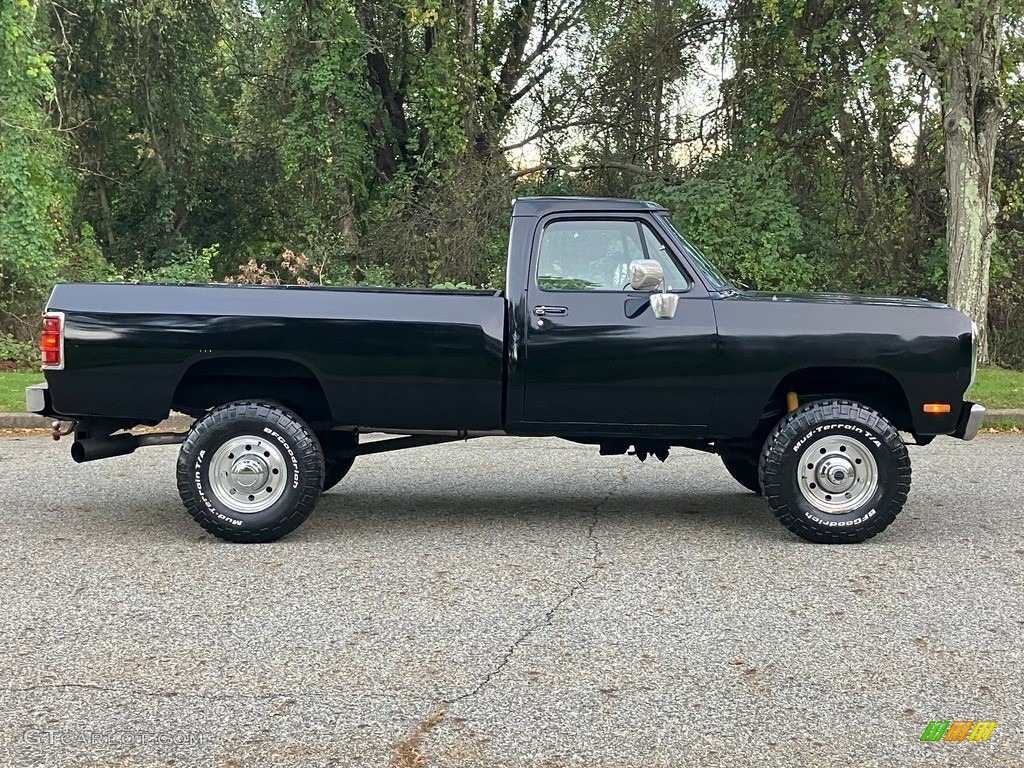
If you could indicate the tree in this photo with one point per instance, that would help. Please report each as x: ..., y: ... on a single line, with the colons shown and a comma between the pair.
x: 958, y: 45
x: 807, y: 143
x: 34, y: 193
x: 970, y: 81
x: 134, y: 91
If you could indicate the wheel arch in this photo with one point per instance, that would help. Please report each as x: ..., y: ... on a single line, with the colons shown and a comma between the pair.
x: 873, y: 387
x: 211, y: 382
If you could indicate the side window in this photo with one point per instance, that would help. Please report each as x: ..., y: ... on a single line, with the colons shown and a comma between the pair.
x: 589, y: 255
x: 658, y: 251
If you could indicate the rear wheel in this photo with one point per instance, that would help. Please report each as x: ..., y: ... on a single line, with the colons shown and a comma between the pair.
x: 835, y: 472
x: 250, y: 472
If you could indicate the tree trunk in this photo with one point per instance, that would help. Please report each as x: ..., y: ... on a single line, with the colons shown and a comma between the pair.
x: 470, y: 72
x: 344, y: 200
x: 971, y: 110
x: 108, y: 219
x: 347, y: 226
x: 658, y: 65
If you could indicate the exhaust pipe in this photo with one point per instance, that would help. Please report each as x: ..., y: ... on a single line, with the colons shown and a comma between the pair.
x: 94, y: 448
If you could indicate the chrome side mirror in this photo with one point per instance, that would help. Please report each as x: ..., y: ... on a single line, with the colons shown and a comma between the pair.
x: 645, y: 275
x: 664, y: 305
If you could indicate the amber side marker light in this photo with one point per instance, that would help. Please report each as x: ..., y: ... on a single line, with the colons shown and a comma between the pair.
x: 936, y: 407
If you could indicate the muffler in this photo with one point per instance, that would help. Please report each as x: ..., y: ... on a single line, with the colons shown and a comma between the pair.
x: 94, y: 448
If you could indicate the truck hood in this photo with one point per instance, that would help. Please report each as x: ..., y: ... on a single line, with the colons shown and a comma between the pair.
x: 837, y: 298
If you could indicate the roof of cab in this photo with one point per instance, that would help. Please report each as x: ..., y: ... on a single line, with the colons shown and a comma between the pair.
x: 539, y: 206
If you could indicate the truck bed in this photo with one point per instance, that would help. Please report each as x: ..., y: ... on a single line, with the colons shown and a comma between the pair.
x: 387, y: 358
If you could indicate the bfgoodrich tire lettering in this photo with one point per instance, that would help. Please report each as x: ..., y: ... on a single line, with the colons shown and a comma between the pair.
x: 292, y: 454
x: 864, y: 443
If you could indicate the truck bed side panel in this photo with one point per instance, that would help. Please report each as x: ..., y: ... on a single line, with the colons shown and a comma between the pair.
x: 389, y: 359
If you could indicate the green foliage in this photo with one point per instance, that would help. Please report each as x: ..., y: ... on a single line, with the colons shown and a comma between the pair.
x: 439, y: 104
x: 632, y: 68
x: 359, y: 142
x: 34, y: 189
x: 451, y: 230
x: 323, y: 115
x: 193, y: 268
x: 369, y: 276
x: 1006, y: 309
x: 84, y: 261
x: 20, y: 354
x: 139, y: 82
x: 742, y: 214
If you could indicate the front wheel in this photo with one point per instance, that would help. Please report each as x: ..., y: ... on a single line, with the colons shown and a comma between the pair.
x: 835, y: 472
x: 250, y: 472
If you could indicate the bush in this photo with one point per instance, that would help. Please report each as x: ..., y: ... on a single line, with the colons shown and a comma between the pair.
x: 192, y: 268
x: 1006, y: 301
x: 453, y: 230
x: 84, y: 262
x: 18, y: 354
x: 742, y: 214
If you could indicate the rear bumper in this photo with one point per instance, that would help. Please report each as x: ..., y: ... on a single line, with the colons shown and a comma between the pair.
x: 972, y: 416
x: 37, y: 400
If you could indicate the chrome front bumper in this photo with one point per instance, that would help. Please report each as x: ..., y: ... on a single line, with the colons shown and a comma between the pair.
x: 971, y: 418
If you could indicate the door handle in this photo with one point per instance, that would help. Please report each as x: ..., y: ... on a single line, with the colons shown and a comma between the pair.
x: 542, y: 310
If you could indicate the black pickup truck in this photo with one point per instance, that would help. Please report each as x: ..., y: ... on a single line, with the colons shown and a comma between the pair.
x: 613, y: 330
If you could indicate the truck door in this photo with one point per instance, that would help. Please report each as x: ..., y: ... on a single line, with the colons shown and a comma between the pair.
x: 597, y: 359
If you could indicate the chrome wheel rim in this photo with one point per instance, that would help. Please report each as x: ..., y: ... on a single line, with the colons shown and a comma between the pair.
x: 248, y: 474
x: 837, y: 475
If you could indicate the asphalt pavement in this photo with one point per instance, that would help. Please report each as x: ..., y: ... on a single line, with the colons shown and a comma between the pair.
x: 507, y: 602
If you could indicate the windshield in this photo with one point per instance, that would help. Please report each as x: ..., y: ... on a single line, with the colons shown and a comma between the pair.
x: 714, y: 277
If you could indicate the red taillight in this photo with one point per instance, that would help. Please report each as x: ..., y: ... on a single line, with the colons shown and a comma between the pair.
x: 51, y: 343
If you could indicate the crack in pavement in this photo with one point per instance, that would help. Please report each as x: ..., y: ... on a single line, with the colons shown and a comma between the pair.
x: 409, y: 752
x: 549, y: 616
x: 596, y: 559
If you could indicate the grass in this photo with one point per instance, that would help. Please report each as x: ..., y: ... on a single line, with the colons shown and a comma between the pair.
x: 995, y: 388
x: 12, y: 389
x: 998, y: 388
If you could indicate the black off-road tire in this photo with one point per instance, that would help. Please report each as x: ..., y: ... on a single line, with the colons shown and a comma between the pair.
x: 785, y: 456
x: 744, y: 470
x: 301, y: 471
x: 336, y: 468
